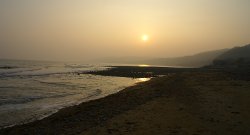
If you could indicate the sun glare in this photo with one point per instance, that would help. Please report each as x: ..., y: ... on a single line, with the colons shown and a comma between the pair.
x: 143, y: 65
x: 145, y: 38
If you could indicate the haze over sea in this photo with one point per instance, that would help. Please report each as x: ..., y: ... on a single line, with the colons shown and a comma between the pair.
x: 31, y: 90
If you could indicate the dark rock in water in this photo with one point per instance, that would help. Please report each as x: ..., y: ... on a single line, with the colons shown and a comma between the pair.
x: 7, y: 67
x: 235, y: 112
x: 140, y: 72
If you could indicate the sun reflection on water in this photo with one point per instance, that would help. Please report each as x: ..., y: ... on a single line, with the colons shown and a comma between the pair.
x: 143, y: 79
x: 143, y: 65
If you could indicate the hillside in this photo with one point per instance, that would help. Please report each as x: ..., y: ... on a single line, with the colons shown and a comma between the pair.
x: 197, y: 60
x: 238, y: 56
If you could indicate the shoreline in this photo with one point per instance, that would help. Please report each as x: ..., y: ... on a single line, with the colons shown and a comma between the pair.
x: 64, y: 111
x: 186, y: 102
x: 94, y: 96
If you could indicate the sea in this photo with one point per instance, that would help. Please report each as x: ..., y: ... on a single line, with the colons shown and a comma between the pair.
x: 33, y: 90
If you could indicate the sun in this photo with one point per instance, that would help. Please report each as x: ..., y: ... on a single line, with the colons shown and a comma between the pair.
x: 145, y: 38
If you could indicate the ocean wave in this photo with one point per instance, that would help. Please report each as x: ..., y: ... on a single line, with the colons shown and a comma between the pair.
x: 36, y: 90
x: 78, y: 66
x: 16, y: 72
x: 23, y: 100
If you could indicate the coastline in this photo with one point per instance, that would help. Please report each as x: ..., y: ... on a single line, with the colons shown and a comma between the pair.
x: 183, y: 102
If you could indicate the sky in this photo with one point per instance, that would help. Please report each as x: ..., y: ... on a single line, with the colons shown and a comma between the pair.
x: 91, y: 29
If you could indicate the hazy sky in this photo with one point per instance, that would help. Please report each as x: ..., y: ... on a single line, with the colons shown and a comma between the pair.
x: 84, y: 29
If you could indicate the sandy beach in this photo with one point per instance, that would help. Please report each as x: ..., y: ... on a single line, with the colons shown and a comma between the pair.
x: 125, y: 67
x: 187, y: 102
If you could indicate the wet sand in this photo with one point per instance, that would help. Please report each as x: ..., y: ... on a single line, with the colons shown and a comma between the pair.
x: 196, y: 102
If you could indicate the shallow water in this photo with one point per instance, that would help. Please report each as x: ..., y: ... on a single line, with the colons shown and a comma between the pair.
x: 31, y: 90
